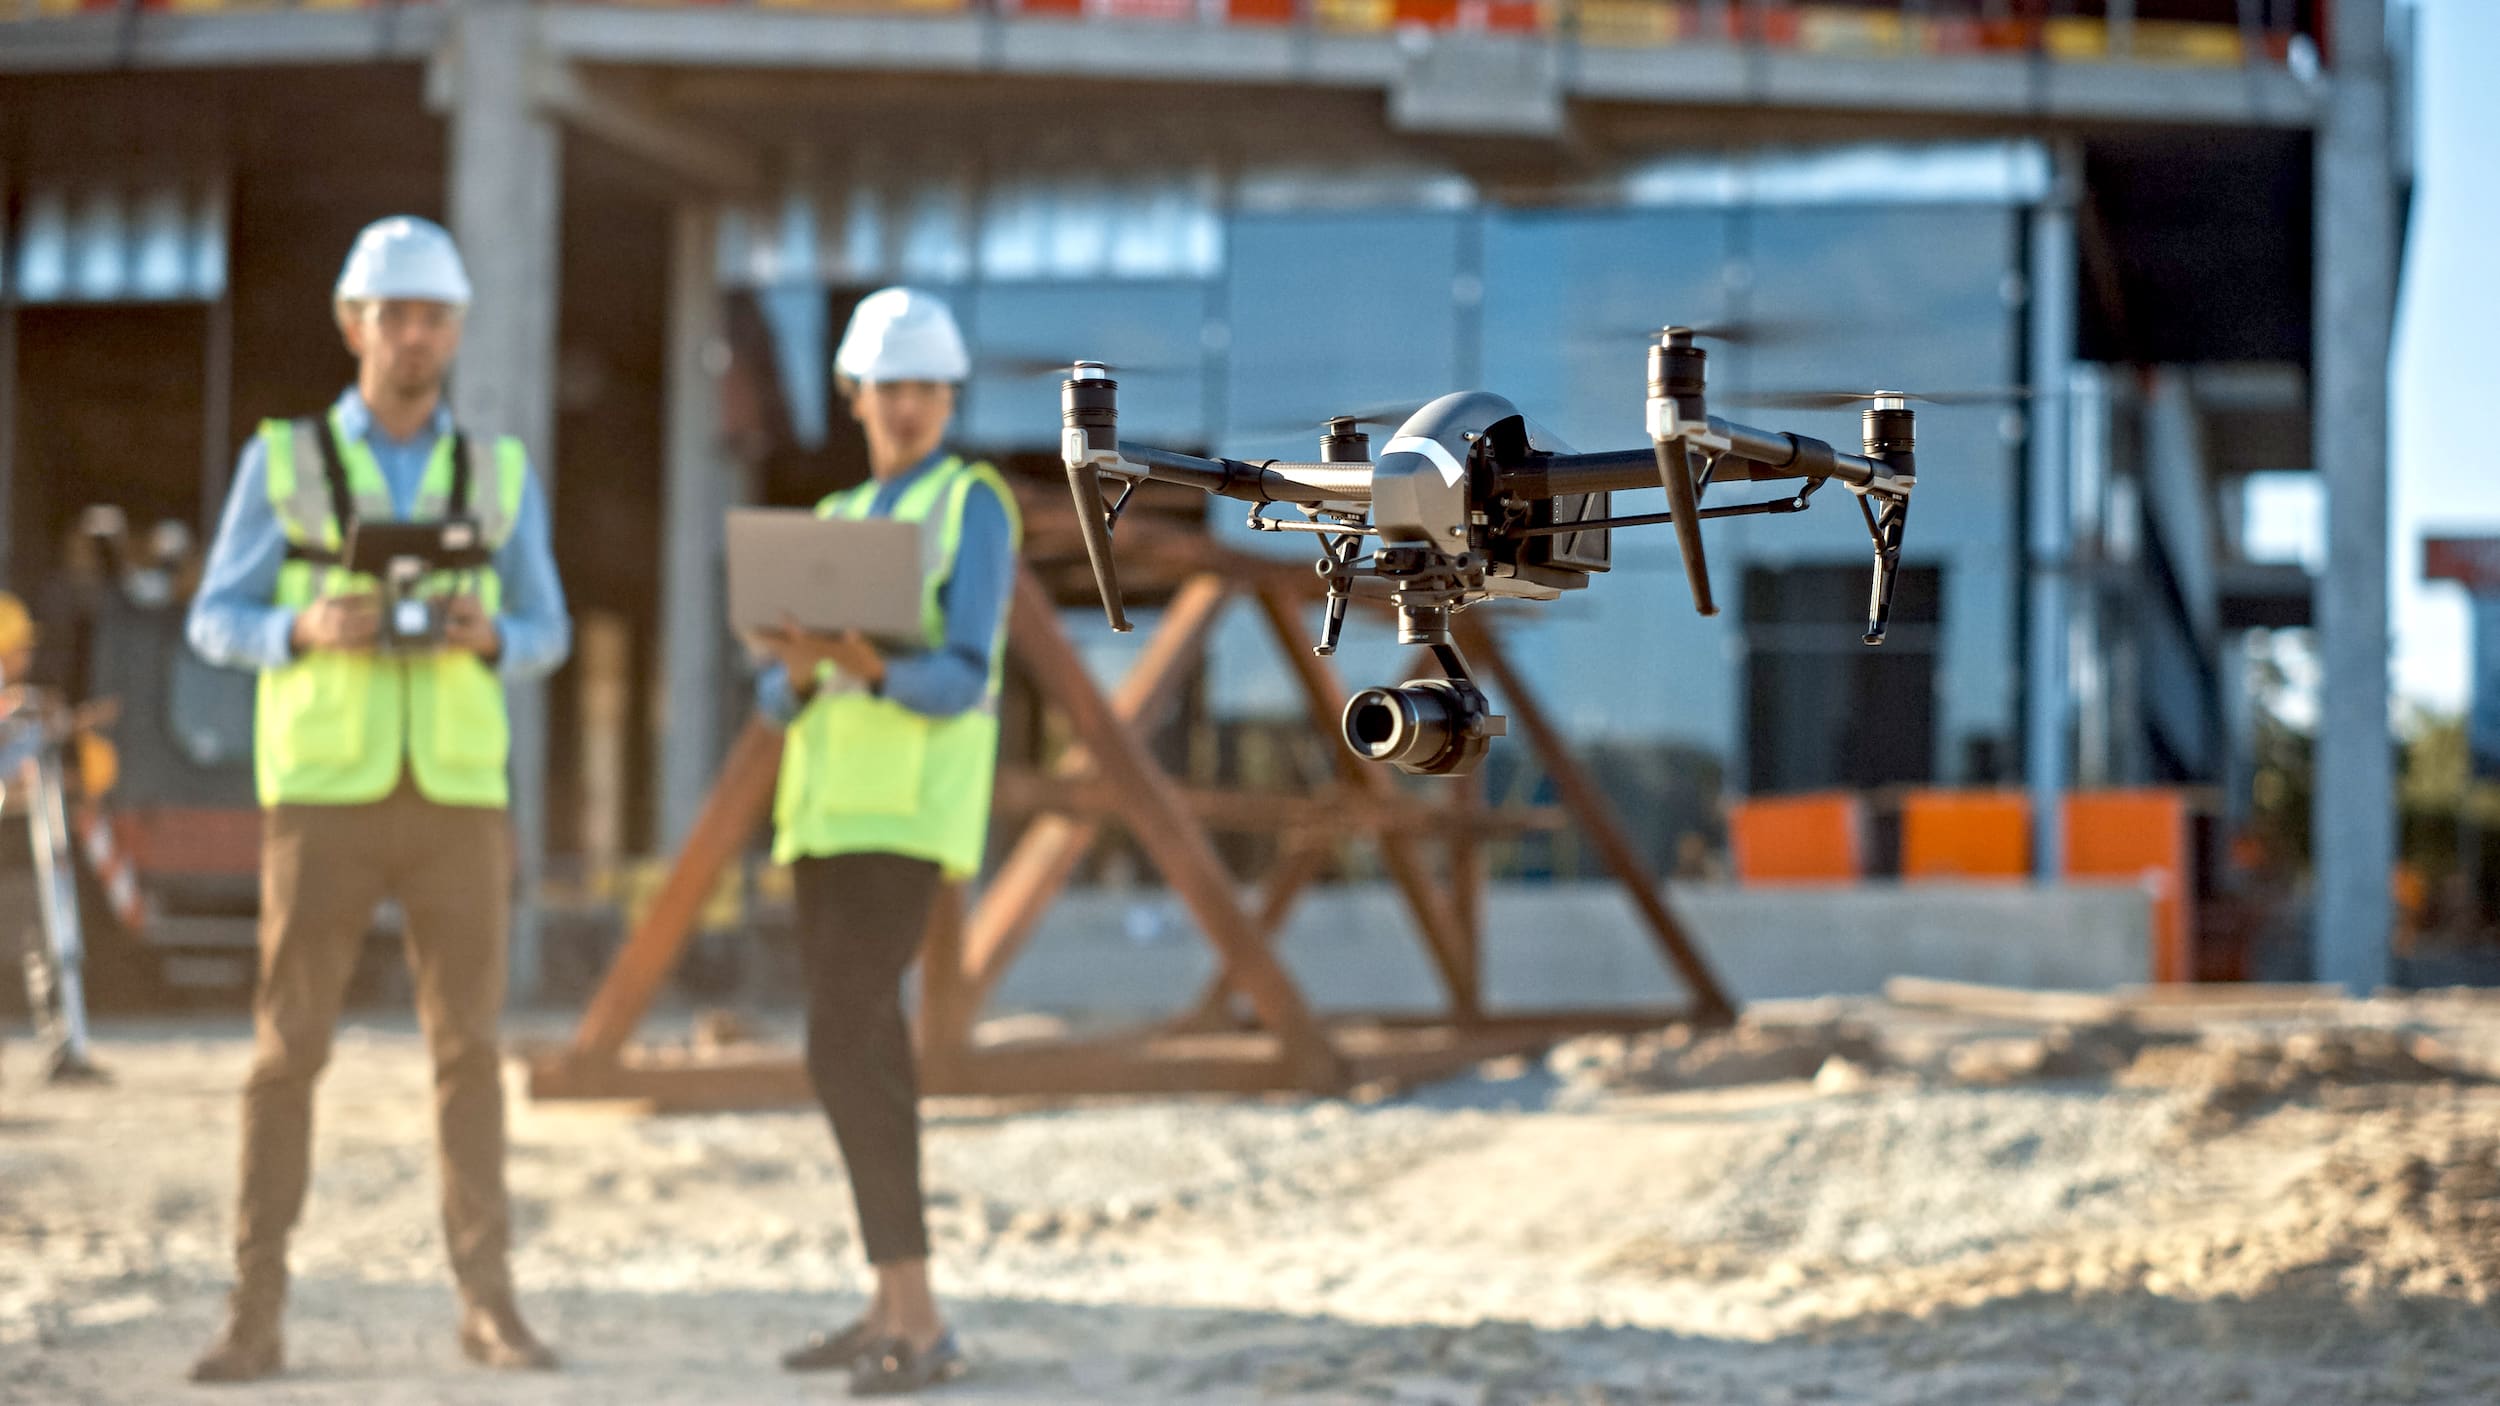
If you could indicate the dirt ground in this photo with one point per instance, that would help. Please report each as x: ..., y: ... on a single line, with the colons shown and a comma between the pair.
x: 2225, y: 1216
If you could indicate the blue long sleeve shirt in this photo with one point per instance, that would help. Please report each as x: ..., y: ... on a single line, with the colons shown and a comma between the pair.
x: 954, y: 677
x: 235, y: 623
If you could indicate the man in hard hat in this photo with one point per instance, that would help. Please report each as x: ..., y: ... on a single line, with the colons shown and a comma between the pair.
x: 884, y: 793
x: 380, y: 761
x: 25, y: 730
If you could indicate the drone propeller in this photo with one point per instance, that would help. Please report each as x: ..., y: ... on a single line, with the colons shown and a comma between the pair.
x: 1735, y: 332
x: 1384, y: 416
x: 1039, y: 368
x: 1842, y: 400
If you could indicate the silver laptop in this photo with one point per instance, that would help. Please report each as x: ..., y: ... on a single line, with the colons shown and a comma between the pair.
x: 828, y: 574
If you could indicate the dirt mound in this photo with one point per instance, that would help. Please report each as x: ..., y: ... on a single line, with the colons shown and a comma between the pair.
x: 1748, y: 1052
x: 1842, y: 1054
x: 2237, y: 1077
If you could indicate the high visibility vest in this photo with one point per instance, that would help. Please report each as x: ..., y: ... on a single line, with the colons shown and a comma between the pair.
x: 334, y: 727
x: 862, y: 774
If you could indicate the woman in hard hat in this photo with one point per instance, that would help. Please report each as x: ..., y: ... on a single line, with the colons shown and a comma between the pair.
x: 884, y: 794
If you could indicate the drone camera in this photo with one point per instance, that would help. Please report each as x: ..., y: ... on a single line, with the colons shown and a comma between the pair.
x: 1426, y: 727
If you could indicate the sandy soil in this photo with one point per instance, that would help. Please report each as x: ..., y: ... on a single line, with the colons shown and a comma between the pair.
x: 2193, y: 1229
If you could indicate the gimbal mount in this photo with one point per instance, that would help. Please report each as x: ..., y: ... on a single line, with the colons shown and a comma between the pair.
x: 1470, y: 500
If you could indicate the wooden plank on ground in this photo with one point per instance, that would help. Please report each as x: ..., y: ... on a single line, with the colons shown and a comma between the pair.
x: 2003, y: 1002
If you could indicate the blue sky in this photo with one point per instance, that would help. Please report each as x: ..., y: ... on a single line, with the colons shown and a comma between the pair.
x: 2447, y: 361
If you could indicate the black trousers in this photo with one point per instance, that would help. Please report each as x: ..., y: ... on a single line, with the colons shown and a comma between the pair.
x: 860, y: 921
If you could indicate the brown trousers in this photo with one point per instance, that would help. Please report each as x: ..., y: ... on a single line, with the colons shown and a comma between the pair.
x: 323, y: 871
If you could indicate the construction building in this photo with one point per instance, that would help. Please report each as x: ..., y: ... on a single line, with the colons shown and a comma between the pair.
x: 2141, y: 248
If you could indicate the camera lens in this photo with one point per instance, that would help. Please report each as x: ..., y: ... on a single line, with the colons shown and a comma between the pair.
x: 1373, y: 720
x: 1426, y: 727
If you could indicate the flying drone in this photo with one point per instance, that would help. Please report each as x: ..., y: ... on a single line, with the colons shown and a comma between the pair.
x: 1470, y: 500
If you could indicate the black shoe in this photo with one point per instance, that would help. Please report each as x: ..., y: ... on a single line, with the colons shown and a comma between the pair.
x: 247, y: 1353
x: 834, y: 1351
x: 894, y: 1368
x: 69, y: 1067
x: 493, y: 1335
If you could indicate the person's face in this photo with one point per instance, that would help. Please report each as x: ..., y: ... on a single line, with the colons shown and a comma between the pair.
x: 905, y: 420
x: 15, y: 663
x: 402, y: 345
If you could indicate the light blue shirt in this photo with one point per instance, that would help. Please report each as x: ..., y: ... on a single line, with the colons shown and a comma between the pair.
x: 234, y: 622
x: 955, y: 677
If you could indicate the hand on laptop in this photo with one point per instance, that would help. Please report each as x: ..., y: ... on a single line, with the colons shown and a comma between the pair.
x: 801, y: 651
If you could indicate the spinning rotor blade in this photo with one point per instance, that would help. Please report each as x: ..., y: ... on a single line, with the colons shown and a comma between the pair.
x: 1842, y: 400
x: 1383, y: 416
x: 1037, y: 367
x: 1735, y: 332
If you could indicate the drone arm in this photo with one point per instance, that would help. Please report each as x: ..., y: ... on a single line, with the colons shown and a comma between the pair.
x: 1757, y: 456
x: 1795, y: 455
x: 1270, y: 481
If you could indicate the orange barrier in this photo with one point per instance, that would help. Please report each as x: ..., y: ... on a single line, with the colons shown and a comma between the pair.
x: 1966, y: 835
x: 2140, y: 835
x: 1818, y: 838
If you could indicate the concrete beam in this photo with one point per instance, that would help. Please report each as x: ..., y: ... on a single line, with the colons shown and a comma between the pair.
x: 605, y: 112
x: 506, y: 175
x: 97, y: 43
x: 2353, y: 818
x: 1481, y: 87
x: 2014, y: 87
x: 1688, y: 75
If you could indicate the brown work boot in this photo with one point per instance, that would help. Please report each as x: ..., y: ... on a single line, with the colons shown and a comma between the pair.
x: 493, y: 1335
x: 251, y: 1348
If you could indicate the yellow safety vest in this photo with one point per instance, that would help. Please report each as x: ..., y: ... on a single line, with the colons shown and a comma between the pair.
x: 862, y: 774
x: 334, y: 726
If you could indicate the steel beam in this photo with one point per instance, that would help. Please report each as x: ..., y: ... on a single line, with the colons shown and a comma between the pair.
x: 2353, y: 819
x: 506, y: 172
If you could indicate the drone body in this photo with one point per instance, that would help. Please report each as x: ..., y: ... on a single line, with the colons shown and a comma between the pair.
x: 1470, y: 500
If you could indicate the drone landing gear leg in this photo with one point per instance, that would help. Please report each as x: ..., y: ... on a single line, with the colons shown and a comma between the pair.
x: 1883, y: 523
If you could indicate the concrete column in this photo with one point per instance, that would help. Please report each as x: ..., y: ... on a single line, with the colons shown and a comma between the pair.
x: 2048, y: 705
x: 2353, y: 820
x: 8, y: 421
x: 506, y: 174
x: 701, y: 483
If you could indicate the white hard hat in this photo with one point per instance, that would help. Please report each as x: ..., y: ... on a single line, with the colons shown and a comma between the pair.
x: 902, y: 334
x: 404, y: 257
